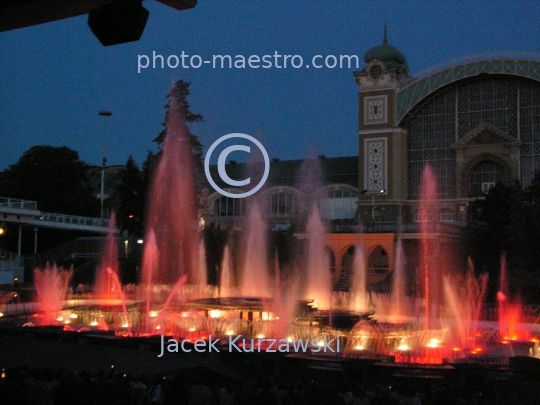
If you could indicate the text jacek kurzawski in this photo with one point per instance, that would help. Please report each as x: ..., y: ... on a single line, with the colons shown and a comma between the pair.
x: 248, y: 345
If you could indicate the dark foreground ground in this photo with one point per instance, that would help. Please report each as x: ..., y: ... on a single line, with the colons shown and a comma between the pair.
x: 46, y: 367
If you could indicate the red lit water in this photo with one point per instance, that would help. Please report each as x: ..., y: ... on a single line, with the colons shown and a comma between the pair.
x: 51, y: 284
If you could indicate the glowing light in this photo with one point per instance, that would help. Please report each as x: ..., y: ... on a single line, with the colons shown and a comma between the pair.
x: 158, y: 327
x: 532, y: 340
x: 359, y: 347
x: 126, y: 325
x: 260, y: 336
x: 265, y: 316
x: 213, y: 314
x: 93, y: 323
x: 73, y: 316
x: 153, y: 314
x: 403, y: 347
x: 320, y: 343
x: 192, y: 329
x: 229, y: 333
x: 1, y: 314
x: 456, y: 349
x: 67, y: 321
x: 140, y: 241
x: 3, y: 374
x: 433, y: 343
x: 59, y: 319
x: 290, y: 339
x: 184, y: 314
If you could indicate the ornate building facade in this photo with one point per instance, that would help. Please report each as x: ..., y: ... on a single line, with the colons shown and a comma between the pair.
x: 475, y: 123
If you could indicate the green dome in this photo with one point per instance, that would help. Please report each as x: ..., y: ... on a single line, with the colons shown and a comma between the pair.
x: 385, y: 53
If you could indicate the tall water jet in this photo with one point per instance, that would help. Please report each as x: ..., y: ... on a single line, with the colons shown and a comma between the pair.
x: 201, y: 277
x: 398, y: 283
x: 509, y: 310
x: 226, y: 283
x: 51, y: 284
x: 172, y: 210
x: 318, y: 276
x: 428, y: 195
x: 149, y: 266
x: 318, y: 284
x: 283, y: 304
x: 358, y: 288
x: 104, y: 287
x: 255, y: 276
x: 465, y: 302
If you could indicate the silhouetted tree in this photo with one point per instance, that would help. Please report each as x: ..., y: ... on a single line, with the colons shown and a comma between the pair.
x: 131, y: 200
x: 507, y: 221
x: 179, y: 95
x: 58, y: 180
x: 55, y: 177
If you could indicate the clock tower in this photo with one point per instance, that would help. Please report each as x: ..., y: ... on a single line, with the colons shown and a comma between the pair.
x: 383, y: 145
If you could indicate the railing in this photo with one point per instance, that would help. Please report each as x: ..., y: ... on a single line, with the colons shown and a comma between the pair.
x: 9, y: 261
x: 72, y: 219
x: 387, y: 227
x: 16, y: 203
x: 5, y: 255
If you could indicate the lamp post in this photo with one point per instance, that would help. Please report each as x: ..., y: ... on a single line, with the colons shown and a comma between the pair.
x: 103, y: 114
x: 373, y: 193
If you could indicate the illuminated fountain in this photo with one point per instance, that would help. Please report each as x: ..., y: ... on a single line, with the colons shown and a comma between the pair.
x: 318, y: 278
x: 51, y: 285
x: 451, y: 328
x: 442, y: 322
x: 104, y: 286
x: 255, y: 280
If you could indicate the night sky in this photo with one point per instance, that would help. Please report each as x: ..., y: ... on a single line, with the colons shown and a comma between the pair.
x: 54, y: 78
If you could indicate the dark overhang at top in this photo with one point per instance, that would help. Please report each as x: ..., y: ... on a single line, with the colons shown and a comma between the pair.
x: 114, y: 21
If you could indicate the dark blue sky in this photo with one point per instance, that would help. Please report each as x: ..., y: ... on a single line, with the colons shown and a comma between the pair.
x: 54, y: 78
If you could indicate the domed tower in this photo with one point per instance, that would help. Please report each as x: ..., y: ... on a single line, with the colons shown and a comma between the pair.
x: 383, y: 145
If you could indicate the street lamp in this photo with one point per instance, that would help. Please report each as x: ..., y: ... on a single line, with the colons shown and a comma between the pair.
x: 373, y: 193
x: 103, y: 114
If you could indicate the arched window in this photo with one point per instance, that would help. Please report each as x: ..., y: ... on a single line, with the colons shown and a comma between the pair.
x: 484, y: 175
x: 229, y: 207
x: 347, y: 261
x: 281, y: 205
x: 332, y: 259
x: 378, y: 261
x: 347, y: 269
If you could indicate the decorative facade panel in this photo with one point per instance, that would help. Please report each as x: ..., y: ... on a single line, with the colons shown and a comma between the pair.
x: 375, y: 164
x: 375, y: 110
